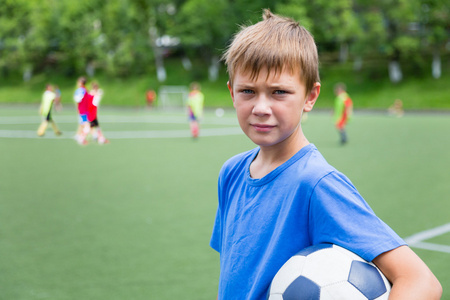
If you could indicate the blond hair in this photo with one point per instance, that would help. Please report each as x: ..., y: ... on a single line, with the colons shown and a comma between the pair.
x: 275, y: 43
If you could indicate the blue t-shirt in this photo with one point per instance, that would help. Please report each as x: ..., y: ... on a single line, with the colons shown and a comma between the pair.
x: 261, y: 223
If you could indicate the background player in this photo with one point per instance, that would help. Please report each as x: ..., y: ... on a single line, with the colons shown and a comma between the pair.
x: 150, y: 97
x: 195, y: 105
x: 83, y: 100
x: 343, y: 110
x: 45, y: 110
x: 96, y: 132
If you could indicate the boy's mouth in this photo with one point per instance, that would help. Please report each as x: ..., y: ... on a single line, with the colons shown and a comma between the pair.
x: 262, y: 127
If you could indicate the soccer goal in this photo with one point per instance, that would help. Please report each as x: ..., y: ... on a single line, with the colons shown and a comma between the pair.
x: 173, y: 96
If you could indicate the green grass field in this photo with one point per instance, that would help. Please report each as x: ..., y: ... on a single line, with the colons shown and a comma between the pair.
x: 132, y: 219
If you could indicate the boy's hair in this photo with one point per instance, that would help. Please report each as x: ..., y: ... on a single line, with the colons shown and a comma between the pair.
x: 277, y: 43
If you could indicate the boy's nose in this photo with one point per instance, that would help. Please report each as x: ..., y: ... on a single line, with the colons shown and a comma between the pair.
x: 262, y: 106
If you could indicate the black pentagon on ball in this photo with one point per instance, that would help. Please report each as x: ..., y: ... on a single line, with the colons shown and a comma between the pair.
x: 302, y: 288
x: 366, y: 279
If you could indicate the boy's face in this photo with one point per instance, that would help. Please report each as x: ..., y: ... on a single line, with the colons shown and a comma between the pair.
x: 269, y: 108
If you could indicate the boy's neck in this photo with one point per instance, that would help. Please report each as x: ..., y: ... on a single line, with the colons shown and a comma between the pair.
x: 269, y: 158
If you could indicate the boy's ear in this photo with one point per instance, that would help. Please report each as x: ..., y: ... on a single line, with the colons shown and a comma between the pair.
x: 312, y: 97
x: 230, y: 88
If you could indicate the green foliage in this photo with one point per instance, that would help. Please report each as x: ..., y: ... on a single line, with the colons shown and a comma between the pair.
x: 435, y: 16
x: 417, y: 93
x: 402, y: 30
x: 297, y: 11
x: 118, y: 37
x: 340, y: 23
x: 373, y: 36
x: 199, y: 24
x: 14, y: 24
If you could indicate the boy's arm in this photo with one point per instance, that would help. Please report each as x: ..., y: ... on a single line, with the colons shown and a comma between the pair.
x: 410, y: 277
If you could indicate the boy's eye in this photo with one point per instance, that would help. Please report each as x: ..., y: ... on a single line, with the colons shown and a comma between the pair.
x: 247, y: 91
x: 280, y: 92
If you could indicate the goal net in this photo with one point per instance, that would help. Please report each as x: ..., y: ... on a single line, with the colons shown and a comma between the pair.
x: 173, y: 96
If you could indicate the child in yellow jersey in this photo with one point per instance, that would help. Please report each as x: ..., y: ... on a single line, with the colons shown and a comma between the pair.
x: 343, y: 110
x: 195, y: 108
x: 45, y: 111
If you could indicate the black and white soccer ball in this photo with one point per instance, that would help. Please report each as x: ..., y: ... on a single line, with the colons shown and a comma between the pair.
x: 328, y: 272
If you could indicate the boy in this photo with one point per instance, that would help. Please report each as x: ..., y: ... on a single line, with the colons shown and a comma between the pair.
x: 283, y: 196
x: 343, y: 109
x: 195, y: 104
x: 83, y: 100
x: 45, y: 110
x: 150, y: 96
x: 97, y: 134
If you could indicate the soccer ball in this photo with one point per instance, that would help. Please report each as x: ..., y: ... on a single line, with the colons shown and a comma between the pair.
x: 220, y: 112
x: 328, y: 272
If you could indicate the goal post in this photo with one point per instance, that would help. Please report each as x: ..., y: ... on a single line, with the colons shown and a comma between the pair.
x: 173, y: 96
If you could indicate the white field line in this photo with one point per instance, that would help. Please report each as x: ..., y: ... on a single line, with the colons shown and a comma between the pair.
x: 117, y: 119
x: 172, y: 133
x: 31, y: 134
x: 417, y: 240
x: 431, y: 246
x: 204, y: 132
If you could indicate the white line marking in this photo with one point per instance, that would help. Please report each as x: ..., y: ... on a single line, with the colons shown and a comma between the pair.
x: 155, y: 119
x: 417, y: 240
x: 428, y: 234
x: 118, y: 119
x: 430, y: 246
x: 204, y: 132
x: 172, y: 133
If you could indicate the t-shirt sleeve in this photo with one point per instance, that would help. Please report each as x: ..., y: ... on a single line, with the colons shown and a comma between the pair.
x: 216, y: 237
x: 79, y: 94
x: 339, y: 215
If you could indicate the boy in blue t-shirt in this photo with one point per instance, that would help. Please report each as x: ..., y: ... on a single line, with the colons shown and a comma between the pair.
x: 283, y: 196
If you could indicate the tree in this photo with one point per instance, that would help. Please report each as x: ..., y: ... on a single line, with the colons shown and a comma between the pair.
x: 372, y: 36
x: 296, y: 10
x: 121, y: 37
x: 14, y: 30
x: 389, y: 29
x: 206, y: 28
x: 434, y: 26
x: 203, y: 30
x: 334, y: 25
